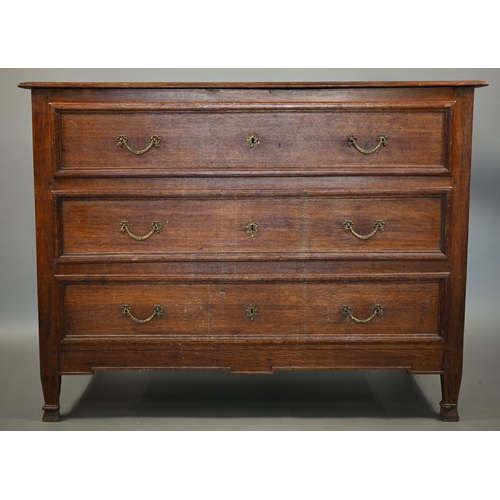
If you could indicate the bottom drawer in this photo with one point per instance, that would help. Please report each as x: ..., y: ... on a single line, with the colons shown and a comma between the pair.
x: 247, y: 310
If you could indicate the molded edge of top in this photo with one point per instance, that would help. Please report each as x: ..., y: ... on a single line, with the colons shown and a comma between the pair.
x: 251, y: 85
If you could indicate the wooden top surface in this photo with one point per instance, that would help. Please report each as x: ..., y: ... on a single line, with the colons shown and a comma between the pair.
x: 254, y: 85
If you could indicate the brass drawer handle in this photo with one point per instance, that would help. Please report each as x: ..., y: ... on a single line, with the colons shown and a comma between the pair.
x: 155, y: 228
x: 349, y: 226
x: 382, y: 141
x: 155, y: 140
x: 127, y: 311
x: 252, y: 228
x: 253, y: 141
x: 251, y: 311
x: 378, y: 310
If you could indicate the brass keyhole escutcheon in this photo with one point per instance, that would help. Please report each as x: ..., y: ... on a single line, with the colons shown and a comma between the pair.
x: 251, y: 228
x: 253, y: 141
x: 251, y: 311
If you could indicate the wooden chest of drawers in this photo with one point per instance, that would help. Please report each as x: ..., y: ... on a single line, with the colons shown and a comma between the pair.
x: 252, y: 227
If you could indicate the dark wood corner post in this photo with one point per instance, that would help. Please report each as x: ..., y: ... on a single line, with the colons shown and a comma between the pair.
x: 49, y: 330
x: 453, y: 324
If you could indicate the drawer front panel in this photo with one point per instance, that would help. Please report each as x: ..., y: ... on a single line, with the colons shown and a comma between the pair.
x: 218, y: 142
x: 268, y: 310
x: 243, y: 226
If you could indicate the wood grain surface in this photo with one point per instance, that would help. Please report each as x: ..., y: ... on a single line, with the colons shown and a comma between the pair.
x: 200, y: 227
x: 283, y: 309
x: 217, y: 140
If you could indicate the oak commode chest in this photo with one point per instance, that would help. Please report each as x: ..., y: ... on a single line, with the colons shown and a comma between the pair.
x: 252, y: 227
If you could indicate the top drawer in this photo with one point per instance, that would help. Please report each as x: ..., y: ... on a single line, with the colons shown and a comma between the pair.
x: 193, y: 139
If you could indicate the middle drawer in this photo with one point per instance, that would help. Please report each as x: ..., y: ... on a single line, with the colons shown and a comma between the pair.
x: 242, y: 227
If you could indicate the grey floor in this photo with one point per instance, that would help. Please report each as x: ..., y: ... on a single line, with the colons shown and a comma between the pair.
x: 194, y: 400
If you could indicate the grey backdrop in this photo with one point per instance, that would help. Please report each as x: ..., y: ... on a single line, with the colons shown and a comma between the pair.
x: 18, y: 305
